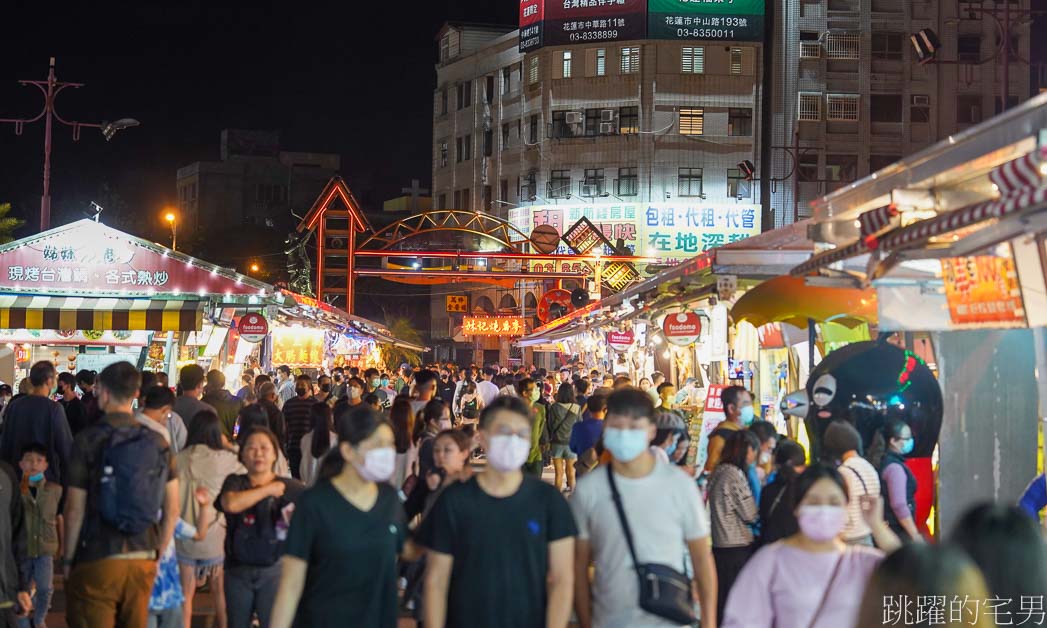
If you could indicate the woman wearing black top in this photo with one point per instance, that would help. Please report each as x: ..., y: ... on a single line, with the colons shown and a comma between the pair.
x: 778, y: 499
x: 340, y: 566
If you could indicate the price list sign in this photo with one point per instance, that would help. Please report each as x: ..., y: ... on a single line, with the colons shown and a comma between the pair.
x: 583, y: 21
x: 724, y: 20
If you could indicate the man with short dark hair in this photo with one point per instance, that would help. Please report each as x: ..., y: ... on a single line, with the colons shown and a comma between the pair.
x: 664, y: 512
x: 500, y: 521
x: 225, y: 404
x: 565, y: 375
x: 155, y: 413
x: 424, y: 389
x: 188, y: 404
x: 85, y: 380
x: 299, y: 419
x: 284, y: 384
x: 738, y: 414
x: 325, y: 388
x: 75, y: 412
x: 34, y: 418
x: 487, y: 388
x: 445, y: 387
x: 110, y: 573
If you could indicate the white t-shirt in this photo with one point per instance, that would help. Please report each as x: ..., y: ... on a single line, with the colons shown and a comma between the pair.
x: 664, y: 510
x: 487, y: 391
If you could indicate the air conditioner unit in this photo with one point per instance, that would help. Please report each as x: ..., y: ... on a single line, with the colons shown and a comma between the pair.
x: 608, y: 115
x: 608, y: 128
x: 574, y: 117
x: 590, y: 190
x: 921, y: 100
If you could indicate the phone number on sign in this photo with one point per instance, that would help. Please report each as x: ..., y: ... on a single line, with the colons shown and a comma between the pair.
x: 594, y: 35
x: 705, y: 33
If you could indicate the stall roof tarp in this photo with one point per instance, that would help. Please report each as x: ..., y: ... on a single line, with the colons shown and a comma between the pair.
x: 98, y: 314
x: 87, y: 258
x: 790, y: 300
x: 309, y: 308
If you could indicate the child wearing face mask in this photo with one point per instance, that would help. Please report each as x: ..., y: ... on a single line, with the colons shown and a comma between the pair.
x: 811, y: 578
x: 43, y: 527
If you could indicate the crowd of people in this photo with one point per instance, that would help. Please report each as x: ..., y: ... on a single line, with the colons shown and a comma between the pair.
x: 359, y: 497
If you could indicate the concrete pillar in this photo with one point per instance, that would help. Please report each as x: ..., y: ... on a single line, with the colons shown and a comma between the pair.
x: 988, y: 443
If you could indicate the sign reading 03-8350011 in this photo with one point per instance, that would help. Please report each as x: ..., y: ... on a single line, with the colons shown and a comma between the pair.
x: 723, y: 20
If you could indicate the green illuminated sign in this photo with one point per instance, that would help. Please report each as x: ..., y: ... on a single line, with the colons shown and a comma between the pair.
x: 724, y: 20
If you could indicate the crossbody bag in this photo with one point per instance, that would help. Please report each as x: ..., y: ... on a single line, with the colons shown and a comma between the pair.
x: 664, y: 591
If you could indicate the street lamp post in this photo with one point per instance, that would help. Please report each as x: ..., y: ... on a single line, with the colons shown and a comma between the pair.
x: 172, y: 220
x: 50, y: 89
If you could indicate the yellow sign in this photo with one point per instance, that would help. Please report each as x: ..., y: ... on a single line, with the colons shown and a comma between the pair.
x: 297, y: 346
x: 983, y: 289
x: 457, y: 303
x: 493, y: 326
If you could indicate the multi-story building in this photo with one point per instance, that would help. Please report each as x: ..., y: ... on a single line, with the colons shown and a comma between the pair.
x: 850, y: 94
x: 610, y: 131
x: 253, y: 183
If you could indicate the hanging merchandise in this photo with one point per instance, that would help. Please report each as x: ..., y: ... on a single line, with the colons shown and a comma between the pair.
x: 682, y: 329
x: 718, y: 333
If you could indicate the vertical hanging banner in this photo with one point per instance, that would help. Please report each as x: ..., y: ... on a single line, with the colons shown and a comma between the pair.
x: 531, y: 25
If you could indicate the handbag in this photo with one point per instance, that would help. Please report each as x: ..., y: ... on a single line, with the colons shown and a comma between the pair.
x: 664, y: 591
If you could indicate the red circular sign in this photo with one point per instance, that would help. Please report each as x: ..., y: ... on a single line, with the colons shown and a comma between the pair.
x: 620, y: 340
x: 682, y: 329
x: 553, y: 297
x: 253, y: 327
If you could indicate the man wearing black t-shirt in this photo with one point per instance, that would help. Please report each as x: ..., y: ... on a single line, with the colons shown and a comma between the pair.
x: 500, y: 522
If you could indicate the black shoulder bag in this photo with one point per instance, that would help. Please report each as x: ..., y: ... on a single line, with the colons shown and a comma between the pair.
x: 664, y: 591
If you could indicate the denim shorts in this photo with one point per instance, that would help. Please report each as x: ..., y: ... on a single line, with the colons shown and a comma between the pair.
x: 201, y: 566
x: 562, y: 451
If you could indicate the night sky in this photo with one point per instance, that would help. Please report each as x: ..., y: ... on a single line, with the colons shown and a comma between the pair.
x: 353, y: 78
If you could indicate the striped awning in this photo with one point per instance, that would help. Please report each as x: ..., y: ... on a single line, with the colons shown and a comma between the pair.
x: 42, y: 312
x: 825, y: 258
x: 876, y: 220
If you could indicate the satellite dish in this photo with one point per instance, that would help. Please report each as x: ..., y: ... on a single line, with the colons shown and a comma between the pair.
x: 579, y: 297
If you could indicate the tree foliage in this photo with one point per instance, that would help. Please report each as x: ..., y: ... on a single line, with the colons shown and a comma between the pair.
x: 8, y: 224
x: 402, y: 328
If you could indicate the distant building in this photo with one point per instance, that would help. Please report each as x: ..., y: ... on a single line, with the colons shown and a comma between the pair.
x: 253, y: 183
x: 415, y: 200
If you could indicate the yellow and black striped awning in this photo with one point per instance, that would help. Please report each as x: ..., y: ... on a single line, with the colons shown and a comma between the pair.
x: 42, y: 312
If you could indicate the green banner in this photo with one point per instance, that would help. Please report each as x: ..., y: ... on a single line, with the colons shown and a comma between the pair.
x: 725, y: 20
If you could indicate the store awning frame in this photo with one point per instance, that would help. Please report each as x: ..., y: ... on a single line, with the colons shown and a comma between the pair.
x: 106, y: 313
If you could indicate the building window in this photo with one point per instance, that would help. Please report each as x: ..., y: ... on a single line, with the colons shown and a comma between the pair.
x: 969, y: 48
x: 629, y: 120
x: 601, y: 62
x: 692, y: 60
x: 969, y: 108
x: 630, y: 60
x: 560, y: 184
x: 567, y: 64
x: 467, y: 147
x: 443, y: 153
x: 487, y: 200
x: 507, y: 74
x: 489, y: 89
x: 503, y: 190
x: 467, y: 199
x: 689, y: 182
x: 532, y: 130
x: 488, y: 142
x: 842, y: 45
x: 737, y: 185
x: 809, y: 107
x: 919, y: 108
x: 567, y: 124
x: 459, y: 154
x: 841, y: 168
x: 443, y: 101
x: 627, y: 183
x: 841, y: 107
x: 807, y: 168
x: 810, y: 45
x: 887, y: 46
x: 692, y: 121
x: 532, y: 70
x: 592, y: 121
x: 740, y: 122
x: 465, y: 94
x: 457, y: 199
x: 879, y: 162
x: 505, y: 135
x: 593, y: 183
x: 441, y: 201
x: 736, y: 60
x: 529, y: 186
x: 885, y: 107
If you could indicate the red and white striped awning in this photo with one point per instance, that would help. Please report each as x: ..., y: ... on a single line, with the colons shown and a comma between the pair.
x: 1021, y: 187
x: 876, y: 220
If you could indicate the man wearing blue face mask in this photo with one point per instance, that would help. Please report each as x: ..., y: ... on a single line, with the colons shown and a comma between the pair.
x: 664, y: 512
x: 738, y: 413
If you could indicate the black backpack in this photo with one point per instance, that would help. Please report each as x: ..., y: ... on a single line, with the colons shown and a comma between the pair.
x: 132, y: 477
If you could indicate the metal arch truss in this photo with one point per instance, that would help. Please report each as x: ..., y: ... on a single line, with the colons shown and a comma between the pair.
x: 476, y: 223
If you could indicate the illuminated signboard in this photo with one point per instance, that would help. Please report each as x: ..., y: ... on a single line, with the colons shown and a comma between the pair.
x: 668, y: 232
x: 584, y: 21
x: 530, y: 24
x: 457, y: 303
x: 298, y: 346
x: 584, y: 236
x: 493, y: 326
x: 983, y: 289
x: 731, y: 20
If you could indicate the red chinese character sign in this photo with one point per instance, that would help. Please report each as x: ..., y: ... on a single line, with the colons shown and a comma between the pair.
x: 983, y: 289
x: 89, y: 257
x: 298, y: 346
x: 682, y: 329
x: 493, y: 326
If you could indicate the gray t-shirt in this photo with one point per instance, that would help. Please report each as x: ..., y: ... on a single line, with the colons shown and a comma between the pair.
x: 664, y: 509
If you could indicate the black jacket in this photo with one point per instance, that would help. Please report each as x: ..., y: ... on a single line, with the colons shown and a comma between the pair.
x: 13, y: 576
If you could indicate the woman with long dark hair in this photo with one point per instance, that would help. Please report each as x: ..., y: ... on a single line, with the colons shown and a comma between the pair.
x: 256, y: 416
x: 811, y: 578
x: 560, y: 418
x: 258, y: 506
x: 401, y: 415
x: 205, y: 463
x: 316, y: 443
x: 778, y: 498
x: 340, y: 568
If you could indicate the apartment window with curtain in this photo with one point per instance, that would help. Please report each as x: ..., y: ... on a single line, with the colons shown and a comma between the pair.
x: 627, y: 183
x: 692, y: 121
x: 689, y: 182
x: 601, y: 62
x: 630, y: 60
x: 692, y: 60
x: 567, y: 64
x: 532, y: 70
x: 629, y: 120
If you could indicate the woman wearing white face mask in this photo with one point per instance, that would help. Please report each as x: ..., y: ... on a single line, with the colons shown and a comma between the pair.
x: 812, y: 578
x: 340, y: 565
